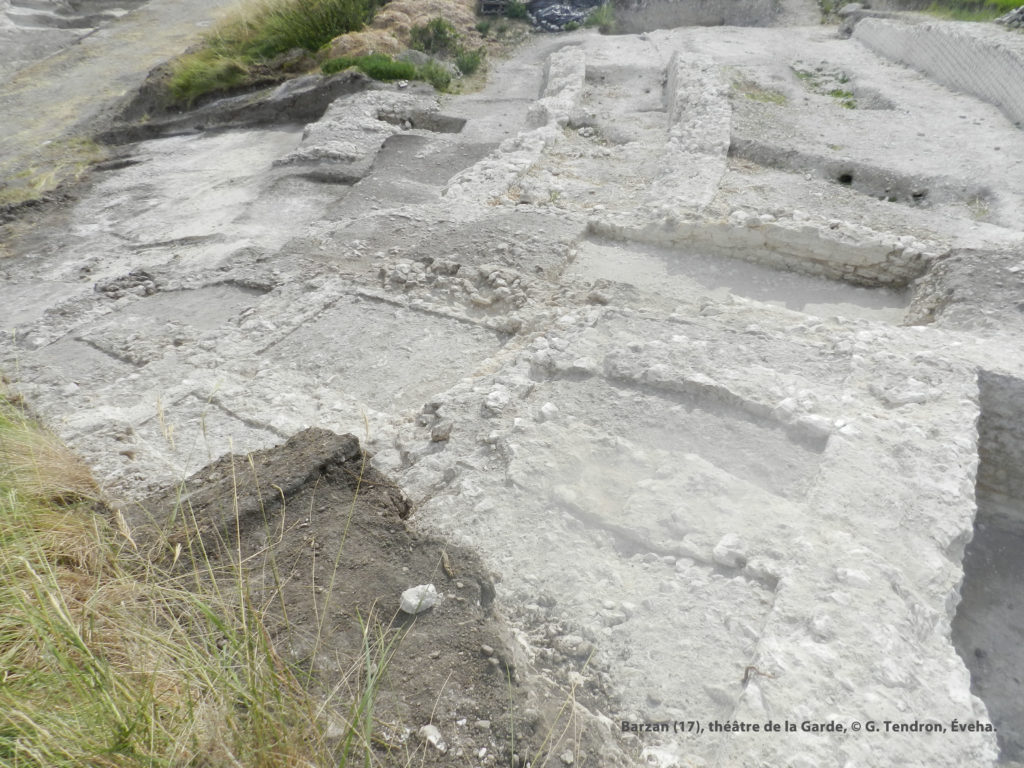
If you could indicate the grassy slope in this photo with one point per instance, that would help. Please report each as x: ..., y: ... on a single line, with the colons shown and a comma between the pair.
x: 107, y: 660
x: 259, y: 31
x: 967, y: 10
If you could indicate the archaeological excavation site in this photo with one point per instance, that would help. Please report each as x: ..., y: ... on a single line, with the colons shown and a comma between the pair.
x: 678, y: 357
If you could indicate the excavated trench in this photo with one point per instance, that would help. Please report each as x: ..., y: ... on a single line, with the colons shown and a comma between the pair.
x: 872, y: 180
x: 682, y: 271
x: 990, y: 619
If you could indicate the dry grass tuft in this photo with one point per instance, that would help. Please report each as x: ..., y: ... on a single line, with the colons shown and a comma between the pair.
x: 396, y: 19
x: 41, y: 466
x: 365, y: 43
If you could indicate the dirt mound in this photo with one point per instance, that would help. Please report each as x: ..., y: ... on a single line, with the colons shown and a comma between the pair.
x: 325, y: 547
x: 367, y: 42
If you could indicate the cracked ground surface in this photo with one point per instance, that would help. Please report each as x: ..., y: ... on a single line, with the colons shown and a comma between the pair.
x: 708, y: 408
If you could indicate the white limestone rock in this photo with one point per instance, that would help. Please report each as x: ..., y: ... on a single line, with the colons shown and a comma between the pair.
x: 419, y: 599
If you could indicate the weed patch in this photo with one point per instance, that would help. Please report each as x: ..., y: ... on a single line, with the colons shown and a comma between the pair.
x: 469, y: 61
x: 979, y: 208
x: 846, y: 99
x: 515, y: 10
x: 381, y: 67
x: 827, y: 81
x: 437, y: 36
x: 754, y: 92
x: 436, y: 75
x: 602, y: 17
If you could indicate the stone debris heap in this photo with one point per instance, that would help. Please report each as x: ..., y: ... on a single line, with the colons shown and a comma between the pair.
x: 1014, y: 18
x: 555, y: 16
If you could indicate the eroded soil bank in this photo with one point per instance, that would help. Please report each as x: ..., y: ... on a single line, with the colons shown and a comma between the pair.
x: 323, y: 541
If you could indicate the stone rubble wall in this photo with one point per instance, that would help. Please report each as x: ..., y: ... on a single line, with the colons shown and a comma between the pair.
x: 352, y: 130
x: 982, y: 61
x: 1014, y: 18
x: 828, y: 248
x: 696, y: 152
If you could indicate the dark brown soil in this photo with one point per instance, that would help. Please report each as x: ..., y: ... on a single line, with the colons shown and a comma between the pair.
x: 327, y: 549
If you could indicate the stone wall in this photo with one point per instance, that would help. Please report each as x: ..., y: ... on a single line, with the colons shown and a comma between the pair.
x: 1000, y: 486
x: 644, y: 16
x: 800, y: 243
x: 986, y: 630
x: 978, y: 59
x: 696, y: 149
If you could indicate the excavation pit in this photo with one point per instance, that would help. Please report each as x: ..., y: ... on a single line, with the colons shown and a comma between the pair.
x: 207, y: 308
x: 988, y: 630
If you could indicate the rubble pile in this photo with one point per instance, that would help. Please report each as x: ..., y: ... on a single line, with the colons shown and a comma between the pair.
x: 555, y: 16
x: 1014, y: 18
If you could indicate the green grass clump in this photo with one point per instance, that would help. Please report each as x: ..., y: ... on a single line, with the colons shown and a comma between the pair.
x: 381, y: 67
x: 436, y: 75
x: 515, y: 10
x: 602, y: 17
x: 206, y: 72
x: 377, y: 65
x: 846, y: 98
x: 483, y: 27
x: 260, y: 31
x: 307, y: 24
x: 437, y: 36
x: 440, y: 38
x: 971, y: 10
x: 469, y: 61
